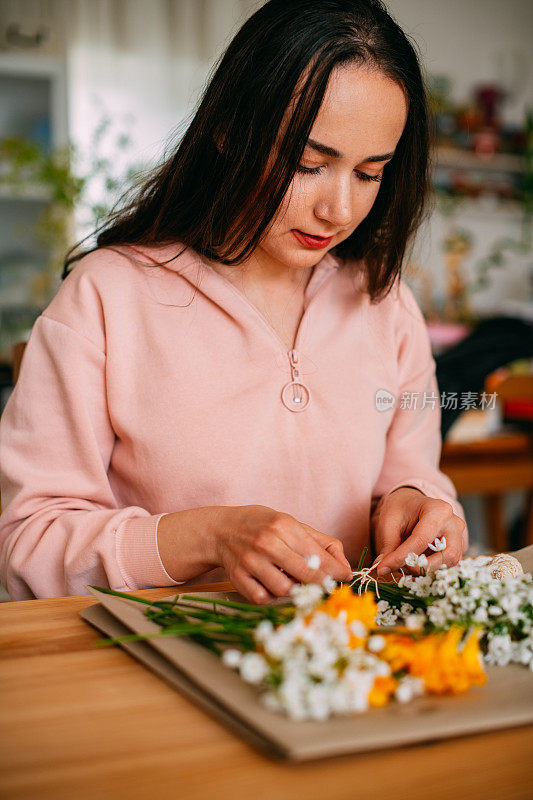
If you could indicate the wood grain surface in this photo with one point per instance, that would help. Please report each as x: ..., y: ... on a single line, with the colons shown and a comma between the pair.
x: 79, y: 722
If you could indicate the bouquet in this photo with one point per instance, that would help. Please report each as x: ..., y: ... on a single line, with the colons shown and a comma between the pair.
x: 342, y: 649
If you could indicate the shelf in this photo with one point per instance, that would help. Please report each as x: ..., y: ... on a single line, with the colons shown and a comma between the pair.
x: 36, y: 194
x: 455, y: 158
x: 484, y: 206
x: 33, y: 92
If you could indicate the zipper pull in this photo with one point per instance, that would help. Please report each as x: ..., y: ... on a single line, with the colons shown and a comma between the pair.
x: 295, y: 394
x: 295, y: 372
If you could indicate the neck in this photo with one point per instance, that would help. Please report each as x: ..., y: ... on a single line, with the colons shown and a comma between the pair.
x: 268, y: 275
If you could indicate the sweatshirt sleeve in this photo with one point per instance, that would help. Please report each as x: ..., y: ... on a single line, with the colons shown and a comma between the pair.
x: 60, y: 527
x: 414, y: 442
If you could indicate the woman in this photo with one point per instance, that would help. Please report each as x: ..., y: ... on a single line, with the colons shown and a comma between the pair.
x: 236, y: 379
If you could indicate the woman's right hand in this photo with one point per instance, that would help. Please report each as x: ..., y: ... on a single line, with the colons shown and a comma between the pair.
x: 264, y: 552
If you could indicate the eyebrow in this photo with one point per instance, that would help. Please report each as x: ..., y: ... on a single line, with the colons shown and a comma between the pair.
x: 326, y: 150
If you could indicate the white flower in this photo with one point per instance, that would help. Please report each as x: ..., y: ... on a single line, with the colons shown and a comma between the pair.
x: 408, y: 688
x: 414, y: 560
x: 328, y: 584
x: 253, y: 668
x: 382, y: 669
x: 357, y: 628
x: 387, y: 618
x: 403, y: 693
x: 313, y: 561
x: 318, y: 702
x: 439, y: 586
x: 321, y: 663
x: 438, y: 544
x: 480, y: 615
x: 306, y: 596
x: 232, y: 657
x: 523, y: 652
x: 376, y: 643
x: 436, y: 614
x: 263, y: 630
x: 499, y: 651
x: 415, y: 622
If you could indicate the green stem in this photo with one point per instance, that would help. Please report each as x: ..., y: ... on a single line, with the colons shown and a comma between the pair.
x: 166, y: 604
x: 159, y: 603
x: 230, y: 604
x: 362, y: 559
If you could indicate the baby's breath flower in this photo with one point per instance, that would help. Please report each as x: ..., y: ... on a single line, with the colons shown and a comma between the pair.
x: 263, y: 630
x: 232, y: 657
x: 408, y: 688
x: 328, y: 584
x: 358, y: 629
x: 469, y: 593
x: 415, y: 622
x: 499, y: 652
x: 306, y: 596
x: 253, y: 668
x: 376, y: 643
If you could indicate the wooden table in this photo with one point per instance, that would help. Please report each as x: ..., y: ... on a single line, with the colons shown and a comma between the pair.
x: 492, y: 467
x: 81, y: 722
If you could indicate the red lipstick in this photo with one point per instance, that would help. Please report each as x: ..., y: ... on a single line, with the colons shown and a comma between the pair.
x: 309, y: 240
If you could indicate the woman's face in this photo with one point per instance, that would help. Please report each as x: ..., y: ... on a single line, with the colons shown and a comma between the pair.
x: 362, y: 115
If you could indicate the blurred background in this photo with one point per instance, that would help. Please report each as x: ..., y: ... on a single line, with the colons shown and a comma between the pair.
x: 95, y: 92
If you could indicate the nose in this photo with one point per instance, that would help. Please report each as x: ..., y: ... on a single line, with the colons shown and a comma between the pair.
x: 335, y: 202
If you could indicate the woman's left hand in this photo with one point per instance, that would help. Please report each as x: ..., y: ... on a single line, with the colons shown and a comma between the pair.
x: 407, y: 521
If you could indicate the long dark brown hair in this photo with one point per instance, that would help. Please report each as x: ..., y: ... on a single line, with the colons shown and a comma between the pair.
x: 215, y: 193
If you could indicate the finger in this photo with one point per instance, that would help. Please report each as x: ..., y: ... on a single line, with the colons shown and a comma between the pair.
x: 389, y: 530
x: 337, y: 551
x: 329, y: 543
x: 272, y: 578
x: 276, y: 551
x: 434, y: 516
x: 453, y: 551
x: 306, y: 541
x: 331, y: 552
x: 298, y: 567
x: 250, y: 588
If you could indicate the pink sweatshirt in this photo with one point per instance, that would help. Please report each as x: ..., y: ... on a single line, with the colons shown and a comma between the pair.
x: 146, y: 390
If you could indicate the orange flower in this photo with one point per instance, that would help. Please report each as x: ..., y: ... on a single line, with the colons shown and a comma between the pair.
x: 382, y: 690
x: 359, y: 608
x: 437, y: 659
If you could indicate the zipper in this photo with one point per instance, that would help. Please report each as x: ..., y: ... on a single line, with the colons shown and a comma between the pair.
x: 295, y: 392
x: 293, y: 360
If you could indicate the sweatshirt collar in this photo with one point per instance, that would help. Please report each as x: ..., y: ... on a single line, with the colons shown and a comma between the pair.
x: 181, y: 257
x: 197, y: 270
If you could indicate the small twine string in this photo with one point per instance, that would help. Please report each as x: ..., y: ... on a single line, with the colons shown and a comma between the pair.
x: 364, y: 577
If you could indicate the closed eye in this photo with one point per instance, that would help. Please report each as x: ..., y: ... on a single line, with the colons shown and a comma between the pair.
x: 363, y: 176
